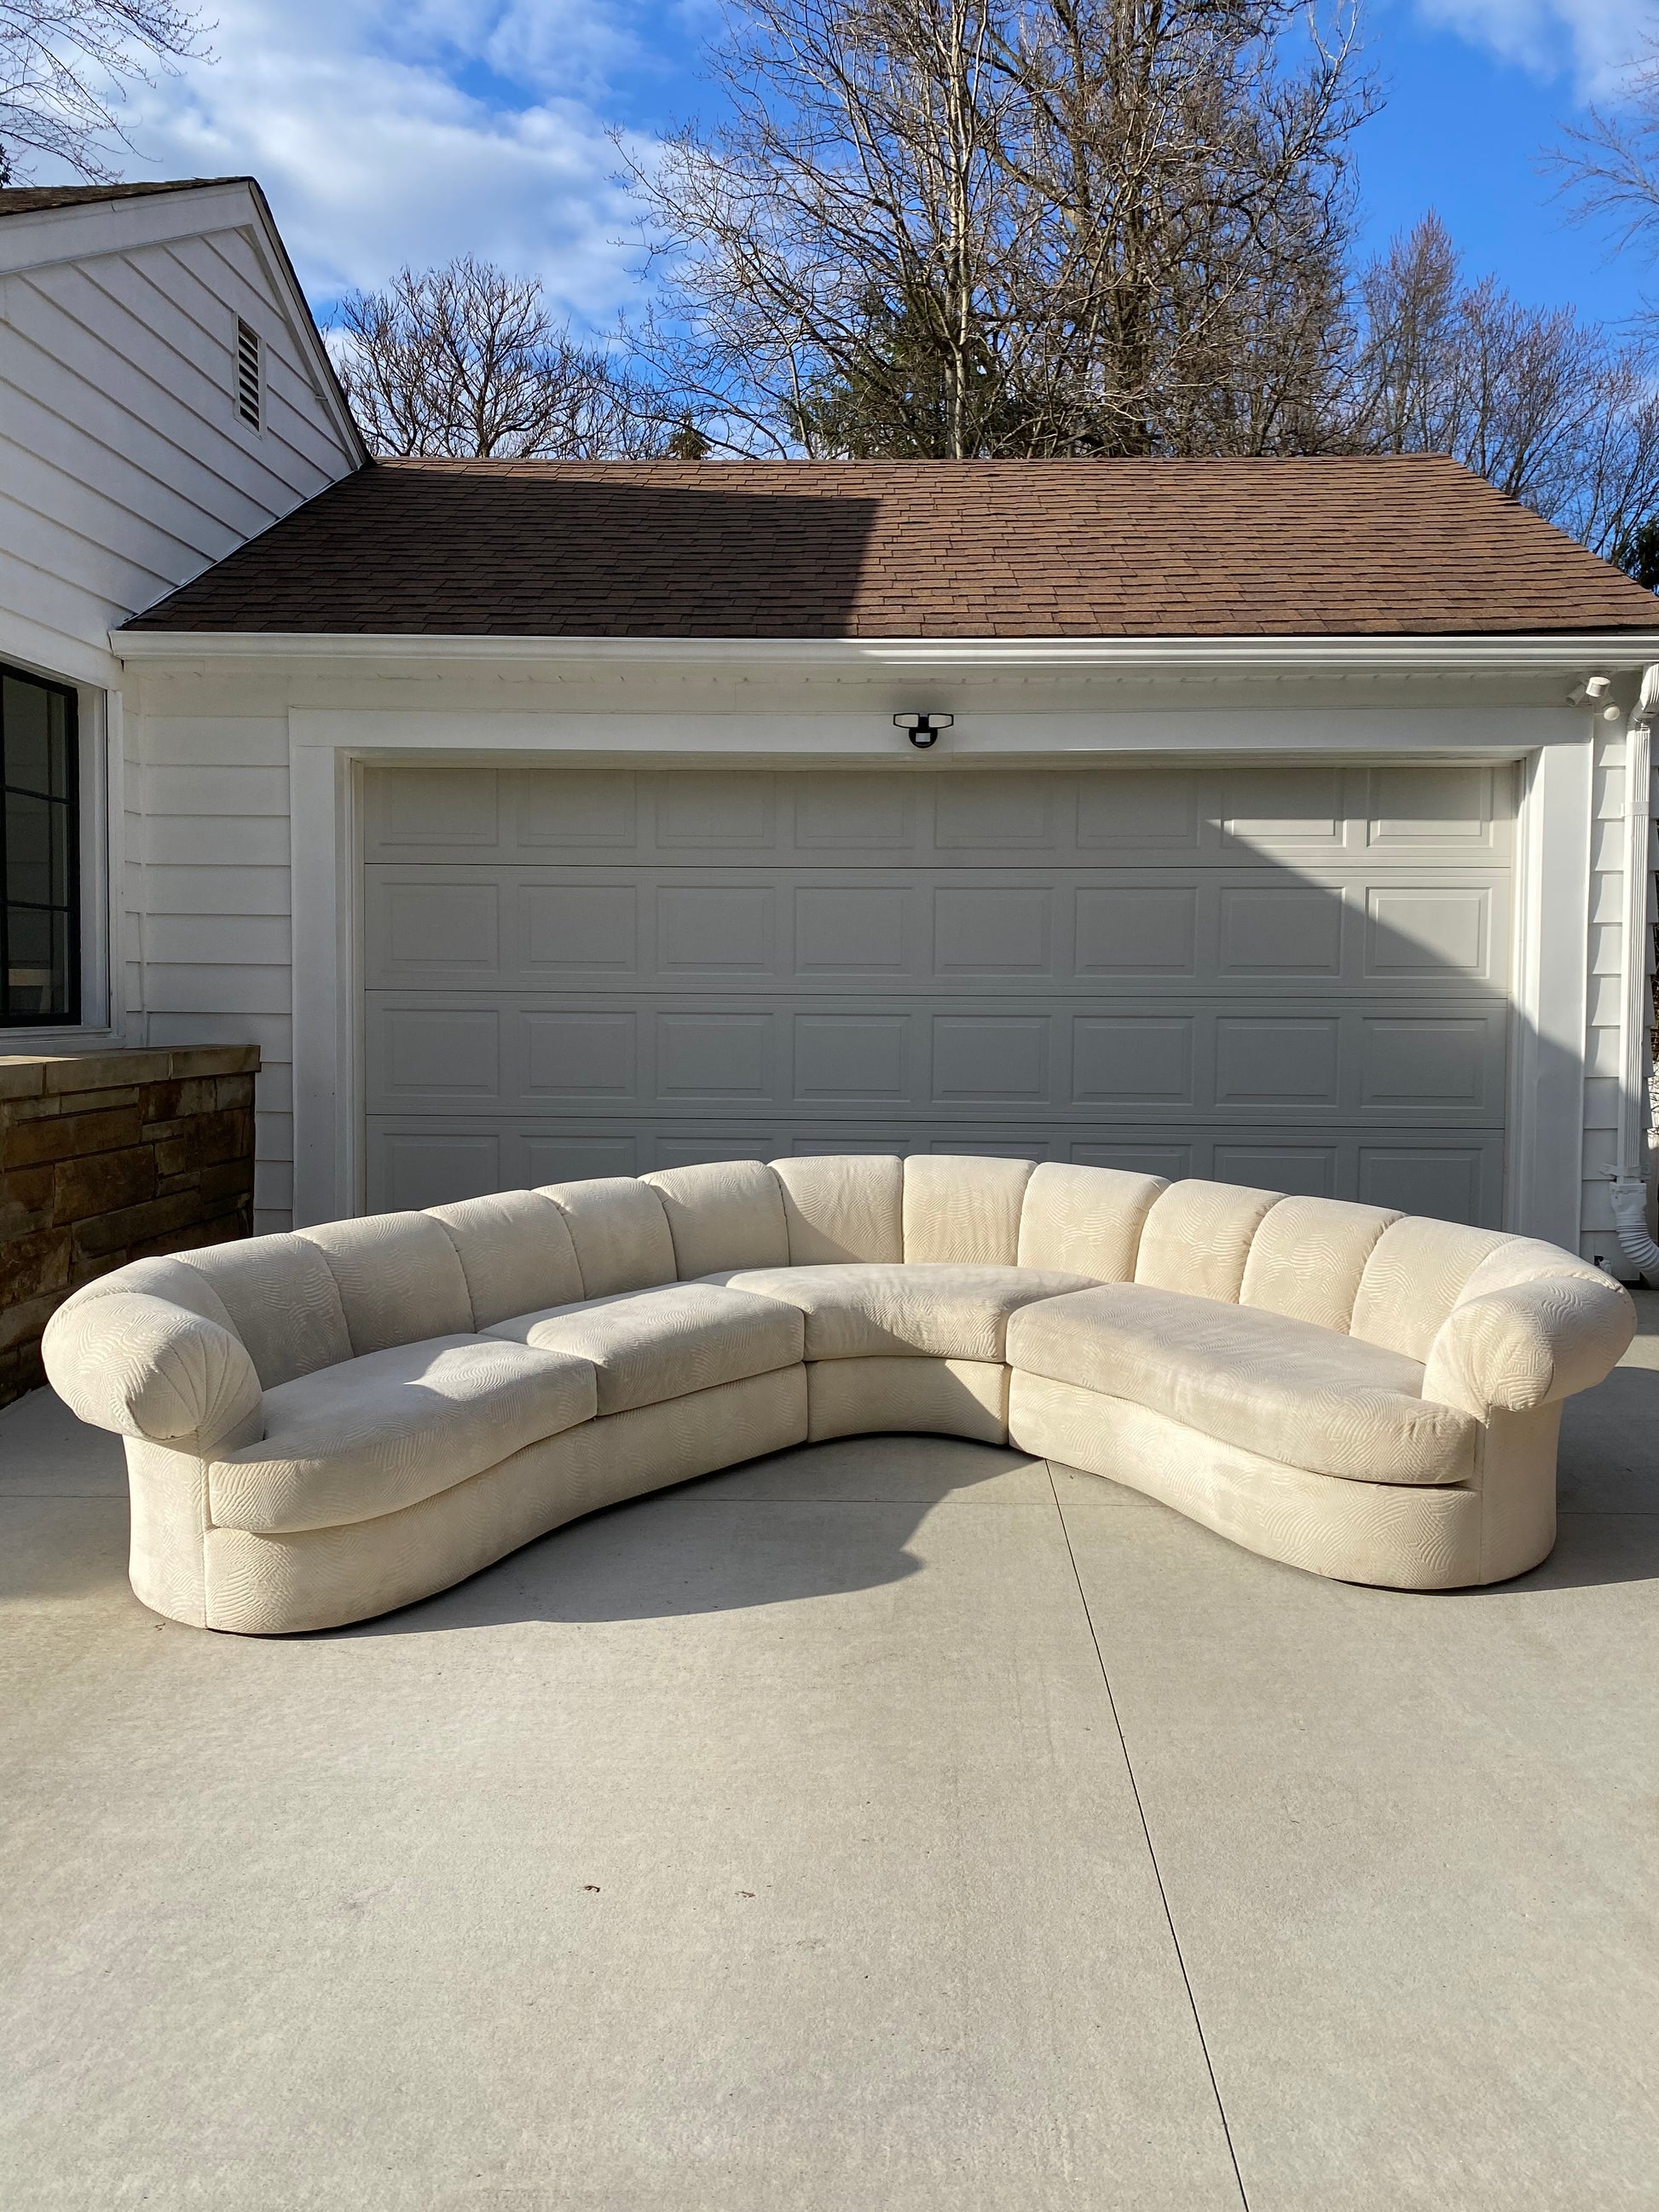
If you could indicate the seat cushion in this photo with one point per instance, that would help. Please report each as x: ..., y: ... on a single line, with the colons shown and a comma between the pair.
x: 373, y: 1435
x: 867, y: 1308
x: 1294, y: 1392
x: 645, y: 1346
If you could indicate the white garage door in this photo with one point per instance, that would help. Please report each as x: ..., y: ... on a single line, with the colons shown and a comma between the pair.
x: 1289, y: 976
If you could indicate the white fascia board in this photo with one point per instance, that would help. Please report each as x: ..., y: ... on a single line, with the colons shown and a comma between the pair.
x: 1566, y: 654
x: 91, y: 229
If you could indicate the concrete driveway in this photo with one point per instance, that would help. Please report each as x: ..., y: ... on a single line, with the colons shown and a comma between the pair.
x: 890, y: 1824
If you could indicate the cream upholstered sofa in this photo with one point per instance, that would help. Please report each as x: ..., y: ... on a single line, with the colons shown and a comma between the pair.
x: 322, y: 1425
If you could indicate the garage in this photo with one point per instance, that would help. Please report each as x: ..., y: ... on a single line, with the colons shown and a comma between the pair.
x: 1294, y: 975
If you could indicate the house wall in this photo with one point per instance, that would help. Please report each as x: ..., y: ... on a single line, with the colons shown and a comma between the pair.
x: 125, y: 469
x: 218, y: 751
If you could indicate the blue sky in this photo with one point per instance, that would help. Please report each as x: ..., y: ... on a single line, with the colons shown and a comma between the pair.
x: 393, y: 129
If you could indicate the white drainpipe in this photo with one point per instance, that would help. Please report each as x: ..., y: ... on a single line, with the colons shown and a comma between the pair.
x: 1629, y: 1193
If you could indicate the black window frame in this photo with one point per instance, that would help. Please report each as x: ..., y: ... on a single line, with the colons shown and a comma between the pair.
x: 67, y: 1015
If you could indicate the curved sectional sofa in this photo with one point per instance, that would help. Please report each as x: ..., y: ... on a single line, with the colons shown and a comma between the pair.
x: 324, y: 1425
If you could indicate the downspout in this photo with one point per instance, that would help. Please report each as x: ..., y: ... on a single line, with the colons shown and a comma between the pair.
x: 1630, y: 1191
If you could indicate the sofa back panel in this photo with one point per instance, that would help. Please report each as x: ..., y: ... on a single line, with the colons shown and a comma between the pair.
x: 283, y: 1303
x: 1307, y: 1256
x: 620, y: 1232
x: 1412, y: 1280
x: 515, y: 1251
x: 399, y: 1277
x: 1198, y: 1236
x: 842, y: 1205
x: 727, y: 1213
x: 1086, y: 1220
x: 963, y: 1209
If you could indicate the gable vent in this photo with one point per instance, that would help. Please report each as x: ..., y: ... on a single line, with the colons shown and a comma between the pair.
x: 249, y: 375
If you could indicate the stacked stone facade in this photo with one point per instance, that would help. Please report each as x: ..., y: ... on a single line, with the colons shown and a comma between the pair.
x: 105, y: 1157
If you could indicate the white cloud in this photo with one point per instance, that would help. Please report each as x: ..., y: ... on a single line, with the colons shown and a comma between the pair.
x: 385, y: 133
x: 1591, y: 40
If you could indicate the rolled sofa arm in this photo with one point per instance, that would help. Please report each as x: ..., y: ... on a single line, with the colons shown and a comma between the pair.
x: 1528, y: 1344
x: 147, y: 1368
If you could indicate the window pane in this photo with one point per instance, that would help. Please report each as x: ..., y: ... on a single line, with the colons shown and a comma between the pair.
x: 28, y: 849
x: 28, y: 719
x: 29, y: 967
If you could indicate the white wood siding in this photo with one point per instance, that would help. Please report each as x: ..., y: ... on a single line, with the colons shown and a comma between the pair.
x: 125, y: 469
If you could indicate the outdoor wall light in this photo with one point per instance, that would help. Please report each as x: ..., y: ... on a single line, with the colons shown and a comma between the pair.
x: 923, y: 730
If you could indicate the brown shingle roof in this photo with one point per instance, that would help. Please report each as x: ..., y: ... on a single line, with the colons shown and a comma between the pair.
x: 918, y: 550
x: 31, y: 199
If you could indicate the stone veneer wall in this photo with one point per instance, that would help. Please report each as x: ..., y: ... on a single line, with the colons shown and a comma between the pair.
x: 106, y: 1157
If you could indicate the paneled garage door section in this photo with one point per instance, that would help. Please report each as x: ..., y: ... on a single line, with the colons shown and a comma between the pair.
x: 1291, y: 976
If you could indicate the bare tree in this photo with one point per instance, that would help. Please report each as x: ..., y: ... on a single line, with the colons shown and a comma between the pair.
x: 468, y: 361
x: 62, y: 66
x: 1610, y: 167
x: 962, y: 227
x: 1552, y: 410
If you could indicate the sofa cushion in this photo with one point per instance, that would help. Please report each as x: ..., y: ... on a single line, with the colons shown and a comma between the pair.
x: 515, y: 1251
x: 1086, y: 1220
x: 864, y: 1310
x: 400, y: 1279
x: 1296, y: 1393
x: 726, y: 1213
x: 1413, y: 1278
x: 379, y: 1433
x: 964, y: 1210
x: 1307, y: 1256
x: 1197, y: 1238
x: 645, y: 1346
x: 620, y: 1232
x: 845, y: 1205
x: 283, y: 1301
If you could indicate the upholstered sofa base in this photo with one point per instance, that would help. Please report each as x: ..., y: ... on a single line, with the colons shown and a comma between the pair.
x: 1396, y: 1536
x: 260, y: 1585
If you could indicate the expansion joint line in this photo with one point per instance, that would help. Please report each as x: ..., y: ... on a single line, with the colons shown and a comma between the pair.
x: 1151, y: 1851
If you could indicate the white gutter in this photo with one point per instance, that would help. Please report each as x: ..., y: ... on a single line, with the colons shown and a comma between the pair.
x: 1565, y: 654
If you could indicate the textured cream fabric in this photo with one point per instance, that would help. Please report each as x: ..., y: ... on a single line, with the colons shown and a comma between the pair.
x: 846, y: 1205
x: 169, y: 1523
x: 319, y: 1578
x: 728, y: 1214
x: 145, y: 1367
x: 859, y: 1311
x: 1404, y: 1536
x: 944, y: 1397
x: 515, y: 1251
x: 1528, y: 1343
x: 1412, y: 1280
x: 400, y: 1278
x: 1301, y: 1394
x: 645, y: 1346
x: 283, y: 1303
x: 1085, y: 1221
x: 963, y: 1210
x: 352, y: 1441
x: 620, y: 1232
x: 1197, y: 1238
x: 1307, y: 1256
x: 173, y: 1281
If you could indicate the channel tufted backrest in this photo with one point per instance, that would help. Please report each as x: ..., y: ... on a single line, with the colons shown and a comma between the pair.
x: 727, y: 1213
x: 1086, y: 1221
x: 400, y: 1278
x: 1412, y: 1280
x: 1198, y: 1235
x: 842, y: 1205
x: 515, y: 1250
x: 961, y: 1208
x: 284, y: 1302
x: 620, y: 1232
x: 1307, y: 1257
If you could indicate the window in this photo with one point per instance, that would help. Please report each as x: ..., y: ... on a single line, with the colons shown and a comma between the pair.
x: 39, y: 862
x: 250, y: 376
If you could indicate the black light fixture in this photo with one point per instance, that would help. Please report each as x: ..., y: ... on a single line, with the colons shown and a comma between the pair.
x: 923, y: 730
